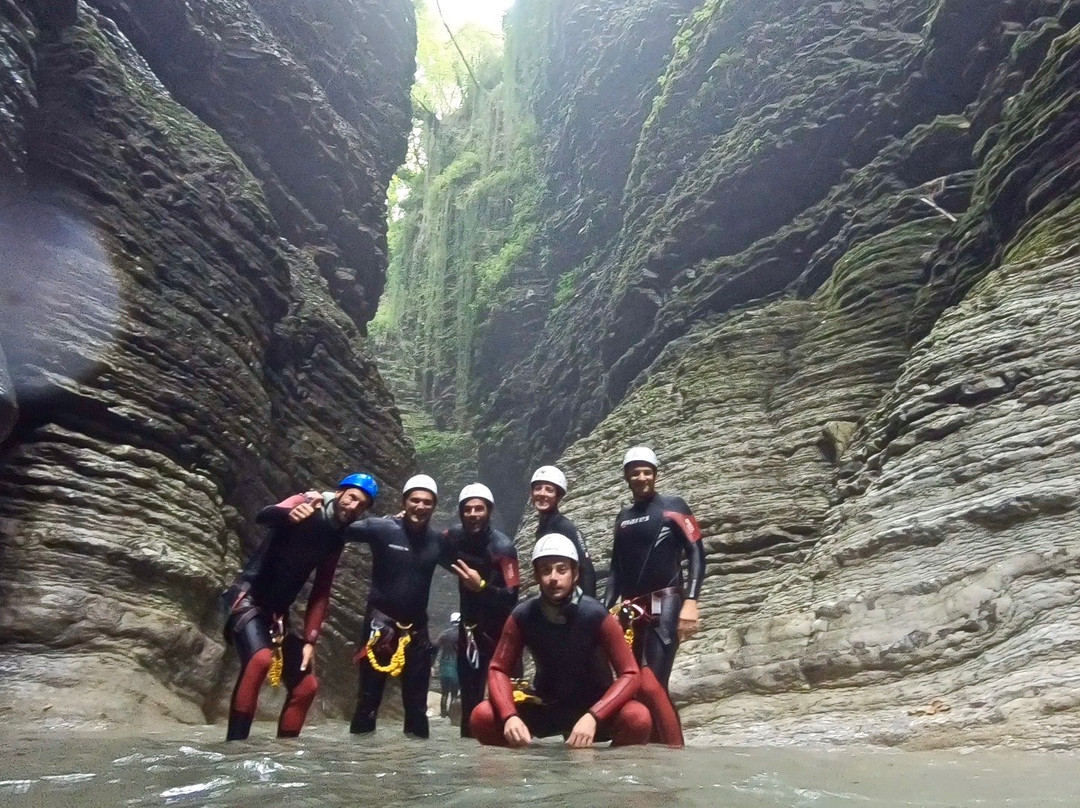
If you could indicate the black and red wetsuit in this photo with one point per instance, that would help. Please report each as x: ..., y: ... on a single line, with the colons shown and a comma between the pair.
x: 575, y: 647
x: 403, y: 562
x: 260, y: 599
x: 556, y: 522
x: 651, y: 536
x: 492, y: 554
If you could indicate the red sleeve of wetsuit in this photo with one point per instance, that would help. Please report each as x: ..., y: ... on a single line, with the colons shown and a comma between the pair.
x: 319, y: 600
x: 503, y: 663
x: 510, y: 573
x: 625, y: 686
x: 695, y: 552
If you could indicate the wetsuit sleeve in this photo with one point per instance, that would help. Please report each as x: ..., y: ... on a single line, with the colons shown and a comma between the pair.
x: 687, y: 525
x: 504, y: 662
x: 273, y: 517
x: 277, y: 515
x: 626, y: 670
x: 362, y: 531
x: 446, y: 557
x: 504, y: 580
x: 611, y: 596
x: 319, y: 600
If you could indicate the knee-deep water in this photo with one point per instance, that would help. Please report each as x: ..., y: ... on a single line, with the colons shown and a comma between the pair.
x: 328, y: 767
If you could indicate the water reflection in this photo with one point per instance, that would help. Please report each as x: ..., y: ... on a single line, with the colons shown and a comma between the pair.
x: 327, y: 767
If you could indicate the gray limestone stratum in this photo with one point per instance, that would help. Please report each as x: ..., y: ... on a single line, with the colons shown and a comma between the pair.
x: 823, y: 257
x: 192, y: 231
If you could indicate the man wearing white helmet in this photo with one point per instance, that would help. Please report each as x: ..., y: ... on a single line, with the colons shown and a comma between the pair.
x: 486, y: 564
x: 446, y: 663
x: 546, y: 490
x: 404, y: 553
x: 651, y: 536
x: 575, y: 644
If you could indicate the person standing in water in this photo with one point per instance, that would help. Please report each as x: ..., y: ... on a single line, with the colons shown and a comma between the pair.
x: 486, y: 564
x: 260, y: 598
x: 404, y: 551
x: 546, y: 490
x: 652, y: 535
x: 646, y: 587
x: 576, y: 644
x: 446, y: 663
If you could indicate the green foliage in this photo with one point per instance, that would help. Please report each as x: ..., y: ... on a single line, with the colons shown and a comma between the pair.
x: 442, y: 80
x: 567, y: 286
x: 465, y: 211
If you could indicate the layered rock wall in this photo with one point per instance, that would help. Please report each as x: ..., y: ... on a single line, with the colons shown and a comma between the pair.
x: 821, y: 257
x: 890, y: 520
x: 193, y: 238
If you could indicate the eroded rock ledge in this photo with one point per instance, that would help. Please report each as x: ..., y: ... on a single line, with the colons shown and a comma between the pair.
x: 886, y: 468
x: 193, y: 237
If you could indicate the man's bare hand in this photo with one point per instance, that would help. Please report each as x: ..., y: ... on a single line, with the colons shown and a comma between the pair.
x: 301, y: 512
x: 516, y: 733
x: 470, y: 577
x: 583, y: 733
x: 307, y: 657
x: 689, y: 621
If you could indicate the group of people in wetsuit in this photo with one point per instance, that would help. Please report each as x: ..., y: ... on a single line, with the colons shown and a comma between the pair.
x: 601, y: 668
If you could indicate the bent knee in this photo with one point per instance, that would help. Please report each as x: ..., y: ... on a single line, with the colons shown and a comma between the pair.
x: 306, y: 688
x: 259, y: 664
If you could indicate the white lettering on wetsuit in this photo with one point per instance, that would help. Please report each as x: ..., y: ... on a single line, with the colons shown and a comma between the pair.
x: 638, y: 521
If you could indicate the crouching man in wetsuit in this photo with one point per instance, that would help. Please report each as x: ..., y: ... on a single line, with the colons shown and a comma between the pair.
x: 263, y: 593
x: 486, y: 564
x: 575, y: 644
x: 546, y: 490
x: 646, y: 584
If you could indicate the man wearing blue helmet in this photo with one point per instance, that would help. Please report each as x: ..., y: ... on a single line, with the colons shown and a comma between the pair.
x: 262, y: 595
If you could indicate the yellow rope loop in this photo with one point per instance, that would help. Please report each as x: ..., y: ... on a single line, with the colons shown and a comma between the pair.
x: 628, y: 635
x: 277, y: 664
x: 397, y: 662
x: 521, y: 694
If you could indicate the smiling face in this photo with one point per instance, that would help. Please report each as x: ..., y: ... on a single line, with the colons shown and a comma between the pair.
x: 641, y: 477
x: 419, y: 505
x: 556, y: 577
x: 545, y: 497
x: 351, y: 503
x: 475, y: 513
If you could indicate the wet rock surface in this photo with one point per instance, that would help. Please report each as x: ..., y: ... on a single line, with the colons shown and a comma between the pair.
x: 890, y: 510
x: 182, y: 333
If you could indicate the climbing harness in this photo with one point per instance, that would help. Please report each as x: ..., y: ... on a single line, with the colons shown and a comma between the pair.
x: 628, y: 613
x: 472, y: 650
x: 397, y: 660
x: 524, y: 693
x: 277, y: 661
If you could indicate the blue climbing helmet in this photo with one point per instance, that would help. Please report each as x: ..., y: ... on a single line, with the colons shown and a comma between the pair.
x: 365, y: 482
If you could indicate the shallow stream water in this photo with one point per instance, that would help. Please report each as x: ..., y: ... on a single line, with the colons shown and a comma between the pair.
x: 327, y: 767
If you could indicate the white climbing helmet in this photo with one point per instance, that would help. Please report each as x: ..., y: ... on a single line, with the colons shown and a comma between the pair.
x: 455, y: 617
x: 477, y: 491
x: 554, y: 544
x: 423, y: 482
x: 640, y: 454
x: 549, y: 474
